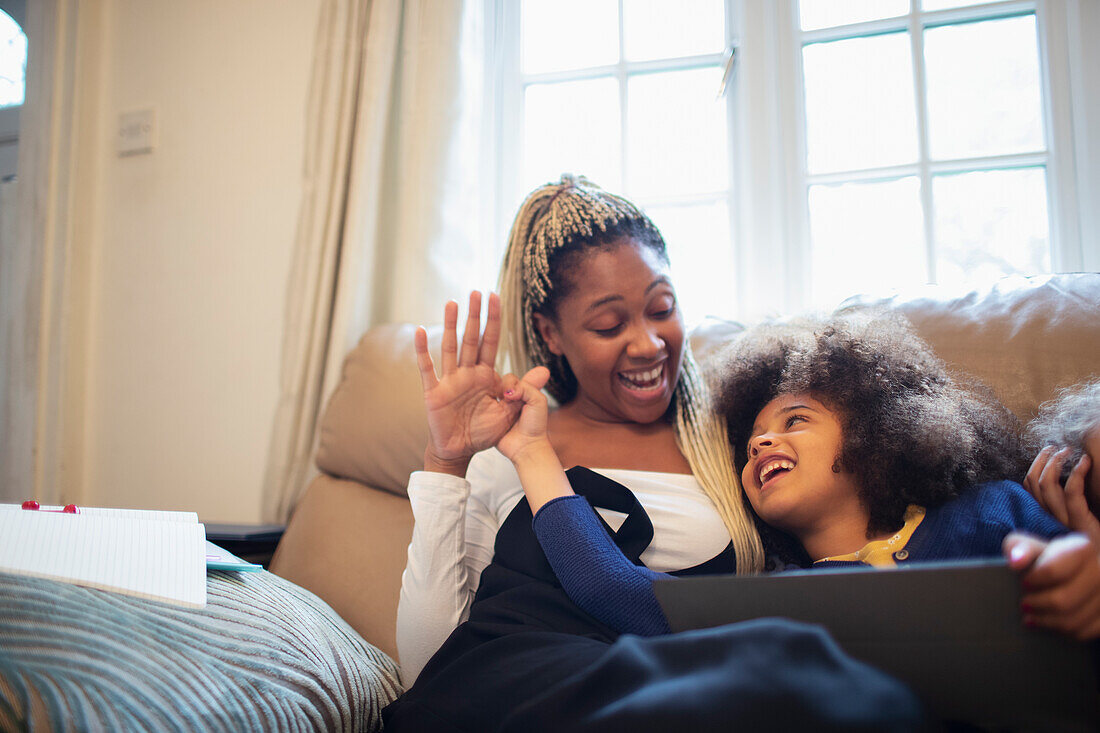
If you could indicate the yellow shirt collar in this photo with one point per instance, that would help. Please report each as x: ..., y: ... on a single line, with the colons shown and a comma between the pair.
x: 880, y: 553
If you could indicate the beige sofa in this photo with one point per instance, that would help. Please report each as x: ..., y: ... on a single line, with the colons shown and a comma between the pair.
x: 347, y: 539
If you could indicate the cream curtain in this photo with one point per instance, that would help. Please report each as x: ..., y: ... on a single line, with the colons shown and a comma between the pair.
x: 391, y: 170
x: 38, y: 296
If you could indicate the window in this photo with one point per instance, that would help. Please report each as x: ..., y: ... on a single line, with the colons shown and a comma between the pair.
x: 13, y: 61
x: 926, y: 155
x: 13, y: 71
x: 628, y: 94
x: 862, y: 145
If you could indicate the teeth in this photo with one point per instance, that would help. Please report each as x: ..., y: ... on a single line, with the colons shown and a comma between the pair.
x: 643, y: 379
x: 771, y: 467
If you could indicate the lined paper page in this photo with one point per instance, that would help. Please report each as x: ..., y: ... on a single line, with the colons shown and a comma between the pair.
x: 161, y: 560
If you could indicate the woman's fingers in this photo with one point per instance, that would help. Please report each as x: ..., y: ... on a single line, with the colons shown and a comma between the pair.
x: 1062, y: 589
x: 487, y: 353
x: 424, y: 363
x: 472, y: 332
x: 1060, y: 560
x: 1050, y: 487
x: 1031, y: 481
x: 1021, y: 550
x: 449, y: 348
x: 1081, y: 518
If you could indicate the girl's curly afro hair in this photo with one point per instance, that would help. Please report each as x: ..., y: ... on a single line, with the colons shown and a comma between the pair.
x: 913, y: 432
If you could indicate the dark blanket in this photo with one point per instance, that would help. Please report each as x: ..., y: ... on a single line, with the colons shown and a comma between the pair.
x: 528, y: 659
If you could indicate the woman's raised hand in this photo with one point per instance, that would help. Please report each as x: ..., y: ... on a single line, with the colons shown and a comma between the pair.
x: 465, y: 411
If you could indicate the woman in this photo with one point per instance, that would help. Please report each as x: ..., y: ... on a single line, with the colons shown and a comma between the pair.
x: 603, y: 320
x: 589, y: 311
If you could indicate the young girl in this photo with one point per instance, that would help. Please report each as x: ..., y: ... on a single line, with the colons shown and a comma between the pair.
x: 588, y: 310
x: 1063, y: 477
x: 852, y: 438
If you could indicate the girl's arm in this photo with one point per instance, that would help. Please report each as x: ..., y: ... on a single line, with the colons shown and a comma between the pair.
x: 592, y: 569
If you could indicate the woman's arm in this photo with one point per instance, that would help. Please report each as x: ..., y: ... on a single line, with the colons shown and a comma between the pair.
x: 465, y: 415
x: 452, y: 543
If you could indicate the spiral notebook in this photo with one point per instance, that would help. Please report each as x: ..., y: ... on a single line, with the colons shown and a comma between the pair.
x: 158, y: 555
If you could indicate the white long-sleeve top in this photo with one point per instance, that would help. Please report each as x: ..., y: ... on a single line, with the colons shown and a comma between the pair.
x: 456, y: 522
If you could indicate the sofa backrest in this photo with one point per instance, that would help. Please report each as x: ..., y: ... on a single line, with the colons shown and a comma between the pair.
x: 1024, y: 337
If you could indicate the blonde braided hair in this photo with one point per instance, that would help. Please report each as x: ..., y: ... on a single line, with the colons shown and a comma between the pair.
x: 578, y: 211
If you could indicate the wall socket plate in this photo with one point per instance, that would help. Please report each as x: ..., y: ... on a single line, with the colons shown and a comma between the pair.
x: 136, y: 132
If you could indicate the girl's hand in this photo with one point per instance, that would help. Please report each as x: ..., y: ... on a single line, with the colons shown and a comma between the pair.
x: 465, y: 410
x: 529, y: 431
x: 527, y: 445
x: 1066, y: 504
x: 1061, y: 582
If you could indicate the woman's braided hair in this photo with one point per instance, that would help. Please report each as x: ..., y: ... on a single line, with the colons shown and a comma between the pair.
x: 555, y: 227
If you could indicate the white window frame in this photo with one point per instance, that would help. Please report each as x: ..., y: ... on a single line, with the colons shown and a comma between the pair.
x: 509, y: 123
x: 1066, y: 127
x: 768, y: 185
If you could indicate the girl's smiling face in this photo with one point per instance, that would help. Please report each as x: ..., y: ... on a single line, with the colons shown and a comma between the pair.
x: 621, y: 331
x: 789, y: 477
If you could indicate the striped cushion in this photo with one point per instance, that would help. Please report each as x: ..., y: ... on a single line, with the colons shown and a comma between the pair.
x: 263, y: 655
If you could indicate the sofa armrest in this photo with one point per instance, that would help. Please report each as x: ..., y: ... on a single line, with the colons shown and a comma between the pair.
x: 347, y: 544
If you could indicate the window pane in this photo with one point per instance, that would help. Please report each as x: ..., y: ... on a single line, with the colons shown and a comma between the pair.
x: 990, y: 224
x: 828, y: 13
x: 676, y: 139
x: 658, y: 29
x: 865, y: 237
x: 572, y: 127
x: 699, y: 248
x: 944, y: 4
x: 983, y: 88
x: 559, y: 35
x: 860, y: 111
x: 13, y: 61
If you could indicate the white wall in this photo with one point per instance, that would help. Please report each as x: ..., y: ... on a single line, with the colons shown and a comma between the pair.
x: 187, y: 249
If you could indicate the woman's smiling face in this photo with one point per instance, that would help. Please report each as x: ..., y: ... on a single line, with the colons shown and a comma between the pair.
x: 789, y: 477
x: 621, y: 331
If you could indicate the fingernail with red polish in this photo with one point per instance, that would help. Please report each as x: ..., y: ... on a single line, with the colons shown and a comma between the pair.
x: 1026, y: 607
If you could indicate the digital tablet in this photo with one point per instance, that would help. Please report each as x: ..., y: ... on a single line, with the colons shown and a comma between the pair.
x: 952, y: 631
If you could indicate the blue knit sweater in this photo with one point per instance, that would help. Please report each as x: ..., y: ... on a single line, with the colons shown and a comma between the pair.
x: 599, y: 579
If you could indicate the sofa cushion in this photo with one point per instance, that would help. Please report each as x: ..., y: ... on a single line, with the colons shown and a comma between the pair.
x: 263, y: 654
x: 1023, y: 337
x: 374, y: 428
